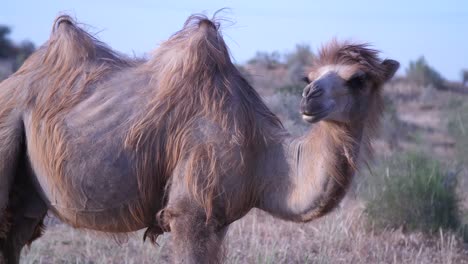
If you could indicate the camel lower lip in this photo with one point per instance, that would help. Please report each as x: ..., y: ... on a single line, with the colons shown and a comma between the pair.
x: 315, y: 117
x: 308, y: 118
x: 311, y: 118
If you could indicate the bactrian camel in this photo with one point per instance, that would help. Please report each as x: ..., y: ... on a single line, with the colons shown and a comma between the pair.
x: 176, y: 143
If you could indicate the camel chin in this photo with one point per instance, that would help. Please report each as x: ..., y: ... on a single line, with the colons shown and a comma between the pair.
x: 319, y: 115
x: 311, y: 118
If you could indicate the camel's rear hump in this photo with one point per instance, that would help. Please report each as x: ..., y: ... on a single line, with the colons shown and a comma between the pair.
x: 197, y: 51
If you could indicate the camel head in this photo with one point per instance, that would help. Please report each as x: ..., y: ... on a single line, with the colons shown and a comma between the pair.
x: 343, y: 83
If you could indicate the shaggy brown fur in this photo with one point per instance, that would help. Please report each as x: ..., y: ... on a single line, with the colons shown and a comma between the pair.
x: 37, y: 233
x: 74, y: 61
x: 178, y: 143
x: 6, y: 223
x: 72, y: 64
x: 197, y: 81
x: 347, y: 53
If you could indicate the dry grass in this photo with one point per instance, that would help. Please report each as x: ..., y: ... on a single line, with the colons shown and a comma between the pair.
x: 63, y: 244
x: 341, y: 237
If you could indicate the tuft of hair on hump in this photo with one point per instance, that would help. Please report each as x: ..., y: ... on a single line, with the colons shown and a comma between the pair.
x: 199, y: 47
x: 70, y: 45
x: 196, y: 84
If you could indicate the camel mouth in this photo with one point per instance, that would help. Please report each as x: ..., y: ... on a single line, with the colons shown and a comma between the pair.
x: 316, y: 116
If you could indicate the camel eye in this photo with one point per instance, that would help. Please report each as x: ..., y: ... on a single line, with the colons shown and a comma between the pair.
x: 357, y: 81
x: 305, y: 79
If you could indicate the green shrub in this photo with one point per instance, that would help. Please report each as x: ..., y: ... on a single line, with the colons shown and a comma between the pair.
x: 464, y: 232
x: 266, y: 60
x: 294, y: 89
x: 298, y: 63
x: 464, y: 74
x: 414, y: 192
x: 302, y: 55
x: 458, y: 128
x: 12, y: 52
x: 23, y: 51
x: 421, y: 73
x: 7, y: 48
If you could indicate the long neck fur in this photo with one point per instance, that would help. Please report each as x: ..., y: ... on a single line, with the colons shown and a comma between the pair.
x: 307, y: 177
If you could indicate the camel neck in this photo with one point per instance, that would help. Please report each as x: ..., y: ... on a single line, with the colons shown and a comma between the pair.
x: 334, y: 138
x: 306, y: 177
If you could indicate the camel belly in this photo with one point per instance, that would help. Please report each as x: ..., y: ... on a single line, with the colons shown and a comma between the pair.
x: 95, y: 192
x: 104, y: 197
x: 95, y: 186
x: 116, y: 220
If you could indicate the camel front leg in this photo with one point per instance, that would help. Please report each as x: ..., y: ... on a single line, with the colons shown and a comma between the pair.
x: 194, y: 239
x: 11, y: 142
x: 11, y: 146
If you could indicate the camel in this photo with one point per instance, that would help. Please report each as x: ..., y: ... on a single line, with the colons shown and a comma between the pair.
x: 176, y: 143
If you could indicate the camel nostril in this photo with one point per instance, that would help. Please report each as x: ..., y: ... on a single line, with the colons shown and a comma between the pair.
x: 315, y: 93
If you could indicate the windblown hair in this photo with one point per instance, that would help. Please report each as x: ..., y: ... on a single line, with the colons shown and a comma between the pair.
x: 58, y: 76
x: 194, y: 85
x: 348, y: 53
x: 198, y: 86
x: 70, y: 62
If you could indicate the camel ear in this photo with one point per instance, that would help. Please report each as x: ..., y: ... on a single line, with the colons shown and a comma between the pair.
x: 391, y: 67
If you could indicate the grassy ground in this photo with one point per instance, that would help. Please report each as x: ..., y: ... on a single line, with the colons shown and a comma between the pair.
x: 342, y: 237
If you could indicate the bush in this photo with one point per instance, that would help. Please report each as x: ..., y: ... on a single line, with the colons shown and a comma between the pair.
x: 266, y: 60
x: 12, y: 54
x: 298, y: 62
x: 286, y: 107
x: 458, y: 128
x: 422, y: 74
x: 23, y: 51
x: 464, y: 75
x: 245, y: 73
x: 7, y: 49
x: 294, y: 89
x: 413, y: 192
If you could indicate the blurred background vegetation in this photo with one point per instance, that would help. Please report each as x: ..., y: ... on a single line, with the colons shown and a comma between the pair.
x: 12, y: 55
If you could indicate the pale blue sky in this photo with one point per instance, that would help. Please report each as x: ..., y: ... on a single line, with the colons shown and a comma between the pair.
x: 402, y: 29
